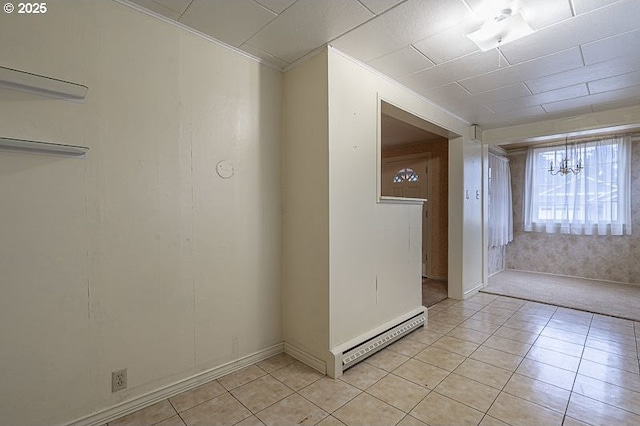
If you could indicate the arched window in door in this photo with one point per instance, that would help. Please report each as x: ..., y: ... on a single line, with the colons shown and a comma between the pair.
x: 405, y: 175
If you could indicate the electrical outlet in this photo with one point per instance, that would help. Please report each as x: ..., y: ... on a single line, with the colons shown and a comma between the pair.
x: 119, y: 380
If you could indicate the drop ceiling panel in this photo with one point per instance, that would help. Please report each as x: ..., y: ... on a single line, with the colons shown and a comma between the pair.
x: 276, y: 6
x: 584, y: 6
x: 502, y: 94
x: 477, y: 63
x: 615, y: 83
x: 584, y: 74
x: 176, y: 5
x: 307, y: 25
x: 401, y: 62
x: 633, y: 101
x: 379, y: 6
x: 626, y: 44
x: 539, y: 99
x: 157, y: 8
x: 447, y: 45
x: 409, y: 22
x: 536, y: 68
x: 604, y: 97
x: 573, y: 32
x: 230, y: 21
x: 449, y: 91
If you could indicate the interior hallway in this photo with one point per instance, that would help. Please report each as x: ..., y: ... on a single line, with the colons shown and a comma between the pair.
x: 488, y: 360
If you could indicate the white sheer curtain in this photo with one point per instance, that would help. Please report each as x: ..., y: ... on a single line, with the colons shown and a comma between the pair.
x: 500, y: 206
x: 595, y: 201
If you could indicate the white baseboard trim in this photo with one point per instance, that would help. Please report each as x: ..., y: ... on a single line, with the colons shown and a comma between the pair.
x: 140, y: 402
x: 305, y: 358
x: 473, y: 291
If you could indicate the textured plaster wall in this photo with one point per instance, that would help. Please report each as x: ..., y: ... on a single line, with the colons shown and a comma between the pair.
x: 610, y: 258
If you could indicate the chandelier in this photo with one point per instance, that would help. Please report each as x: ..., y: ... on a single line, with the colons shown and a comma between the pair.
x: 563, y: 166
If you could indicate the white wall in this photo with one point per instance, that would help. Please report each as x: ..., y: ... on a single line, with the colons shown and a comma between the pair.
x: 138, y: 256
x: 306, y: 208
x: 374, y: 247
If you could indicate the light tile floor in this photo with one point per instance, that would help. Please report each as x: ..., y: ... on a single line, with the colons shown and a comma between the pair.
x: 488, y: 360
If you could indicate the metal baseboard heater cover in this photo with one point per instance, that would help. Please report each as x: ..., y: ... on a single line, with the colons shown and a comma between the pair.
x: 354, y: 355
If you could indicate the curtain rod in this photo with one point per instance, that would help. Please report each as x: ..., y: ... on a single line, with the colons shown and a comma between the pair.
x: 633, y: 136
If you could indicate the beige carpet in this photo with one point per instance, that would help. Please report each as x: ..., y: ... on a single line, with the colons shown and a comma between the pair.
x: 618, y: 300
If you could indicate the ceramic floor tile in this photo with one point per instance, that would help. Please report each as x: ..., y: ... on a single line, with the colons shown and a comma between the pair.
x: 492, y: 421
x: 261, y: 393
x: 511, y: 304
x: 608, y: 393
x: 492, y: 318
x: 421, y: 373
x: 517, y: 411
x: 147, y: 416
x: 449, y: 318
x: 440, y: 358
x: 276, y: 362
x: 547, y: 373
x: 496, y: 310
x: 627, y: 339
x: 496, y: 358
x: 538, y: 392
x: 330, y: 394
x: 570, y: 421
x: 612, y: 360
x: 293, y: 410
x: 559, y: 346
x: 517, y: 335
x: 535, y: 319
x: 610, y: 375
x: 469, y: 335
x: 366, y: 410
x: 398, y: 392
x: 387, y: 360
x: 616, y: 348
x: 598, y: 413
x: 551, y: 357
x: 564, y: 335
x: 460, y: 347
x: 424, y: 336
x: 363, y: 375
x: 411, y: 421
x: 407, y: 347
x: 196, y: 396
x: 526, y: 326
x: 467, y: 391
x: 241, y: 377
x: 330, y: 421
x: 173, y: 421
x: 569, y: 326
x: 219, y: 411
x: 484, y: 373
x: 250, y: 421
x: 439, y: 327
x: 482, y: 326
x: 297, y: 375
x: 437, y: 409
x: 507, y: 345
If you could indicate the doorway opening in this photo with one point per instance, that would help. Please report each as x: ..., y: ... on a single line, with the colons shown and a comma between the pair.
x: 415, y: 164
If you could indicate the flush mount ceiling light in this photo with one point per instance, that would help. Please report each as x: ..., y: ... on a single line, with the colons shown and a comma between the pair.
x: 502, y: 22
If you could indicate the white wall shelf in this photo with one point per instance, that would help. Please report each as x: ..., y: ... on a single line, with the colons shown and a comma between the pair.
x: 35, y: 147
x: 46, y: 86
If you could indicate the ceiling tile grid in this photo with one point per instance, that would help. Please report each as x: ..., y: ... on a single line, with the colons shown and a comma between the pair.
x: 583, y: 55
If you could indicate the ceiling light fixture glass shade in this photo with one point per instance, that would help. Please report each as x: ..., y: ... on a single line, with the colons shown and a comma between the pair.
x: 502, y: 25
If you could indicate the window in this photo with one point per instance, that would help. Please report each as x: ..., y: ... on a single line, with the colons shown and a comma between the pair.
x: 594, y: 201
x: 405, y: 175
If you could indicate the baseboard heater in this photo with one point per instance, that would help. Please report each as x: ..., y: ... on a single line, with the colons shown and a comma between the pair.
x: 357, y: 353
